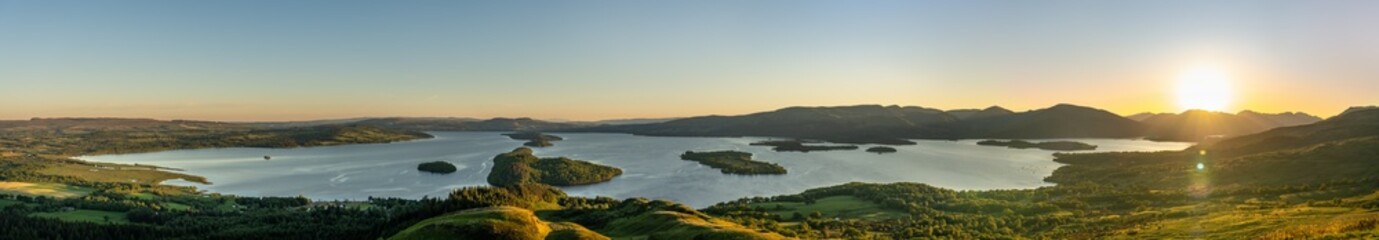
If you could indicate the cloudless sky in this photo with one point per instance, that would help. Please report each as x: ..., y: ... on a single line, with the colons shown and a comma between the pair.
x: 583, y: 60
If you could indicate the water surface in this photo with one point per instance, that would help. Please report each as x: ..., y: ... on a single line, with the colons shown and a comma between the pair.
x: 651, y: 166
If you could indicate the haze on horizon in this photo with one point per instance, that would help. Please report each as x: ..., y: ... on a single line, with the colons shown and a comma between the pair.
x: 271, y: 60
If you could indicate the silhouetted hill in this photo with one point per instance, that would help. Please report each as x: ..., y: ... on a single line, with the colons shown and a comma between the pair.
x: 1280, y: 119
x: 627, y: 121
x: 992, y: 111
x: 466, y: 124
x: 1059, y: 121
x: 894, y: 124
x: 1144, y: 115
x: 1358, y: 108
x: 862, y: 123
x: 1198, y: 125
x: 1354, y: 123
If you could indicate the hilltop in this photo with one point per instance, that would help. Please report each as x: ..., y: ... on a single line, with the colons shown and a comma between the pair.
x: 993, y: 111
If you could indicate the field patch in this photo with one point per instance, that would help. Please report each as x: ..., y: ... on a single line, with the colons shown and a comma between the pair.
x: 83, y: 215
x: 118, y: 173
x: 847, y: 207
x: 54, y: 190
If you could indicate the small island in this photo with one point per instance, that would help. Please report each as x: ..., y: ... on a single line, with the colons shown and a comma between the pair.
x: 881, y: 150
x: 534, y: 139
x: 801, y: 146
x: 519, y: 166
x: 438, y: 167
x: 733, y: 162
x: 1052, y: 146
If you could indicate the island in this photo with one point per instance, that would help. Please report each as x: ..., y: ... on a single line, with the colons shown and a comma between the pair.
x: 1052, y: 145
x: 801, y: 146
x: 520, y: 166
x: 881, y: 150
x: 534, y: 139
x: 439, y: 167
x: 733, y: 162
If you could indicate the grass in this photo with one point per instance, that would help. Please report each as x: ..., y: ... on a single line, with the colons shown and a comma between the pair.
x: 1221, y: 221
x: 679, y: 225
x: 847, y: 207
x: 83, y: 215
x: 572, y: 231
x: 54, y: 190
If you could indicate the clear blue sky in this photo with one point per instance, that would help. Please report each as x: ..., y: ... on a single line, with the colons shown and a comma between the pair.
x: 286, y: 60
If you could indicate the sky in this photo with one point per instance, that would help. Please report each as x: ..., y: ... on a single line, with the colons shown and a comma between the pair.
x: 588, y: 60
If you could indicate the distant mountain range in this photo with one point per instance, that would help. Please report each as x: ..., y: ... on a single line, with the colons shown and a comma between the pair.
x: 1197, y: 125
x: 894, y: 124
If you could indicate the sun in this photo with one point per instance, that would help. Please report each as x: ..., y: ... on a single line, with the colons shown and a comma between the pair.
x: 1205, y: 89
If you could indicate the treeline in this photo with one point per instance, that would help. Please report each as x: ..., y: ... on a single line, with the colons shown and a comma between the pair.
x: 91, y: 142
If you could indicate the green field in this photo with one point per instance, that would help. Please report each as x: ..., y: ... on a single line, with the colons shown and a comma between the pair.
x: 6, y: 203
x: 176, y: 206
x: 848, y: 207
x: 83, y: 215
x: 55, y: 190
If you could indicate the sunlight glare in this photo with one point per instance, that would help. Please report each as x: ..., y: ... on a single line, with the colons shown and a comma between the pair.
x: 1204, y: 88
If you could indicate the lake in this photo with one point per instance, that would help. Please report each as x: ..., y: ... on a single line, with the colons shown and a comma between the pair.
x: 651, y: 166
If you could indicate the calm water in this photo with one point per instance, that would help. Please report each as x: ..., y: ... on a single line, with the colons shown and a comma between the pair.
x: 651, y: 166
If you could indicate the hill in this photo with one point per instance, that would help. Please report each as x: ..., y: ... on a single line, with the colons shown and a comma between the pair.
x: 1059, y: 121
x: 498, y: 223
x: 1144, y: 115
x: 520, y: 167
x: 862, y: 123
x: 993, y: 111
x: 894, y: 124
x: 465, y: 124
x: 1198, y: 125
x: 1354, y: 123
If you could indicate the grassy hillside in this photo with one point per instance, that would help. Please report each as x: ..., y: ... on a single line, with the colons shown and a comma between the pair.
x: 1354, y: 123
x: 533, y: 211
x: 497, y: 223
